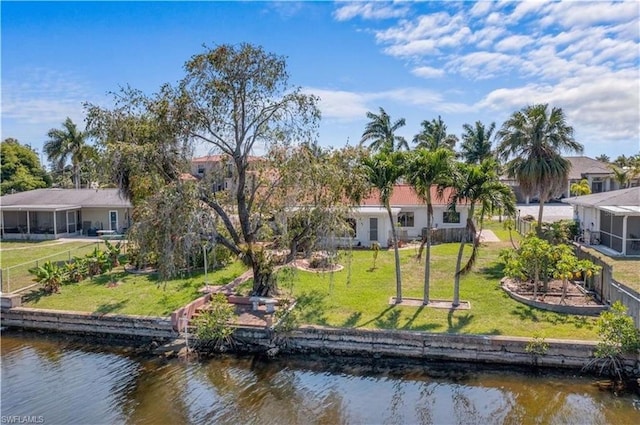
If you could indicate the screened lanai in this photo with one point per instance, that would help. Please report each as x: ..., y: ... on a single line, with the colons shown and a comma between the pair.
x: 40, y: 222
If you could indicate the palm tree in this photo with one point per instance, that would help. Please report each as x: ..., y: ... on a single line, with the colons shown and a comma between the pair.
x: 603, y: 158
x: 580, y: 188
x: 434, y: 135
x: 383, y: 170
x: 621, y: 176
x: 476, y: 142
x: 68, y: 143
x: 426, y: 169
x: 381, y: 132
x: 534, y: 139
x: 477, y: 186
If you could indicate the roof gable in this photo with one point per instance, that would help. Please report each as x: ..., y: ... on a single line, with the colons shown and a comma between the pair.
x: 583, y: 165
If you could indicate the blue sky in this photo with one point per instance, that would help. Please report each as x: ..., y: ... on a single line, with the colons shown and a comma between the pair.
x: 464, y: 61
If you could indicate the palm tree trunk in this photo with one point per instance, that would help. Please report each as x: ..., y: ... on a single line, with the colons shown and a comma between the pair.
x: 76, y: 175
x: 394, y: 238
x: 427, y: 261
x: 540, y: 211
x: 456, y: 281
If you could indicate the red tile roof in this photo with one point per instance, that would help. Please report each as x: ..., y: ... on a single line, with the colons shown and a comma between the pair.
x: 404, y: 195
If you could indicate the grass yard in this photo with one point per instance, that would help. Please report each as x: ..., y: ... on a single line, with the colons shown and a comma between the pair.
x: 359, y: 297
x: 134, y: 294
x: 16, y: 258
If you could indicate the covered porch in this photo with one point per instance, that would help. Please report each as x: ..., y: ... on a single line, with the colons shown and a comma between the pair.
x: 22, y: 222
x: 620, y: 229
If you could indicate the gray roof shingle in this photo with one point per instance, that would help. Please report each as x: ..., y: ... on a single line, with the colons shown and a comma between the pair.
x: 86, y: 198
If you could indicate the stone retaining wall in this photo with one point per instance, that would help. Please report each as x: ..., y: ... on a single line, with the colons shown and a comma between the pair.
x: 121, y: 326
x: 571, y: 354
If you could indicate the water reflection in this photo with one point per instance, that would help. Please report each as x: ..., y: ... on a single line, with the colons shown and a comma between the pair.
x: 70, y: 383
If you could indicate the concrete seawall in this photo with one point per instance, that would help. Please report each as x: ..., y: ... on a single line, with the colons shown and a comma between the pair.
x: 420, y: 346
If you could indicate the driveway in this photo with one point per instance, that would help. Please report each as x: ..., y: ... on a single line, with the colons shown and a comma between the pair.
x: 551, y: 212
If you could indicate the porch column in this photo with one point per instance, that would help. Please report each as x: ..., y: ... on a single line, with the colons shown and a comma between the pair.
x: 28, y: 223
x: 55, y: 226
x: 624, y: 235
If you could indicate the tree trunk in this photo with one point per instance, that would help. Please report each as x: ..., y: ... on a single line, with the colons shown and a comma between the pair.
x: 565, y: 283
x: 427, y: 261
x: 536, y: 279
x: 540, y: 211
x: 394, y: 238
x: 456, y: 282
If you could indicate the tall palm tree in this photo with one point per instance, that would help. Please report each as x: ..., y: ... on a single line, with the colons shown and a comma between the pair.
x: 425, y: 170
x: 603, y: 158
x: 383, y: 170
x: 477, y: 185
x: 381, y: 132
x: 434, y: 135
x: 533, y: 139
x: 476, y: 142
x: 68, y: 143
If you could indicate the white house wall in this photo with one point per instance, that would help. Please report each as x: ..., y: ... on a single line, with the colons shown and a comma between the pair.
x: 99, y: 218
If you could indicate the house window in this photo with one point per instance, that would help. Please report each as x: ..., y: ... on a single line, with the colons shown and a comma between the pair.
x: 451, y: 217
x: 200, y: 169
x: 596, y: 185
x: 405, y: 219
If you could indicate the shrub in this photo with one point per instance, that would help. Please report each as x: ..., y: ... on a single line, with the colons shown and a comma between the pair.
x: 50, y: 275
x: 212, y: 328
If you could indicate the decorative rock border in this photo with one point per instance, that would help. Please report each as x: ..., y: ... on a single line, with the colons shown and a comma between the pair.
x: 582, y: 310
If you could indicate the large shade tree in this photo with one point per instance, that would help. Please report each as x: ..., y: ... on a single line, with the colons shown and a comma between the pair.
x: 476, y: 142
x: 234, y: 100
x: 68, y: 144
x: 383, y: 170
x: 434, y: 135
x: 381, y: 132
x: 429, y: 172
x: 478, y: 186
x: 533, y: 141
x: 20, y: 168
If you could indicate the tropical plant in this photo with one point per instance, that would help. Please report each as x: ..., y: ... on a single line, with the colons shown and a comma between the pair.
x: 427, y: 170
x: 113, y: 252
x: 75, y: 271
x: 603, y: 158
x: 618, y: 336
x: 580, y: 188
x: 97, y: 262
x: 383, y: 170
x: 212, y: 326
x: 621, y: 176
x: 531, y: 261
x: 477, y: 186
x: 567, y: 266
x: 476, y: 142
x: 434, y: 135
x: 382, y: 133
x: 533, y: 139
x: 68, y: 143
x: 50, y: 275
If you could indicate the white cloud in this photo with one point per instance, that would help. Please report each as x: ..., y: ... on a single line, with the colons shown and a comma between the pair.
x: 427, y: 72
x: 513, y: 43
x: 370, y: 11
x: 483, y: 65
x: 480, y: 8
x: 340, y: 104
x: 584, y: 14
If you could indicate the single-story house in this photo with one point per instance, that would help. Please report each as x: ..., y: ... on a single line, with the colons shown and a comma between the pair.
x: 597, y: 173
x: 610, y: 219
x: 371, y: 220
x: 54, y: 213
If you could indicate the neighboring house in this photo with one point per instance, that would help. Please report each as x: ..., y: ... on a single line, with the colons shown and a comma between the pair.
x: 409, y: 211
x: 597, y: 173
x: 218, y: 169
x: 54, y: 213
x: 610, y: 219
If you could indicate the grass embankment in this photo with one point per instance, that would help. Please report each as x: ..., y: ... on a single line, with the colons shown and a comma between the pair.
x: 19, y: 257
x: 133, y: 294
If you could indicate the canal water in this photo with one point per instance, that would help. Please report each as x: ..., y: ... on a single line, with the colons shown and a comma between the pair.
x: 52, y: 380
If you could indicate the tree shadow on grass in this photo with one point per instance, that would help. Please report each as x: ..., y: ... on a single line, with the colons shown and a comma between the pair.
x: 110, y: 307
x: 493, y: 271
x: 352, y: 320
x: 426, y: 327
x: 35, y: 296
x: 460, y: 321
x: 375, y: 319
x: 390, y: 321
x: 537, y: 315
x: 312, y: 306
x: 526, y: 313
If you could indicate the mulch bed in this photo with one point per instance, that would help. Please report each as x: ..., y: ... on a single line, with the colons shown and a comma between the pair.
x: 576, y: 295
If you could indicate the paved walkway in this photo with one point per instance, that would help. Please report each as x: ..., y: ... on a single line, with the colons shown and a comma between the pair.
x: 488, y: 236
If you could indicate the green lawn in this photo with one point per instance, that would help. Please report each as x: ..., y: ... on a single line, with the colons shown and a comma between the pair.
x: 16, y: 258
x: 358, y: 296
x: 134, y: 294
